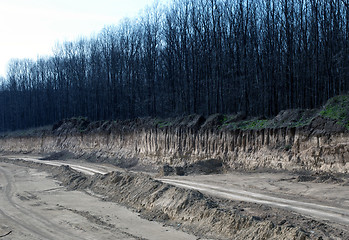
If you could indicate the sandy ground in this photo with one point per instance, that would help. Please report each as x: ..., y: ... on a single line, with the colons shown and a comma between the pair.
x: 321, y: 201
x: 34, y: 206
x: 327, y: 202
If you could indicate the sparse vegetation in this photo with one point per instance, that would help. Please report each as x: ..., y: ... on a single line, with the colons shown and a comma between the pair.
x: 306, y: 117
x: 337, y: 108
x: 256, y: 124
x: 246, y: 124
x: 162, y: 124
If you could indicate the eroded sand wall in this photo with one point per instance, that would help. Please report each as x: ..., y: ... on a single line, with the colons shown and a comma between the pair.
x: 282, y: 148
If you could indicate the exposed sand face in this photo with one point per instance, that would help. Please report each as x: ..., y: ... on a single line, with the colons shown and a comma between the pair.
x: 129, y: 144
x: 33, y: 206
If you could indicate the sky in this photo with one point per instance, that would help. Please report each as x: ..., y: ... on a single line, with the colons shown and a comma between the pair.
x: 31, y: 28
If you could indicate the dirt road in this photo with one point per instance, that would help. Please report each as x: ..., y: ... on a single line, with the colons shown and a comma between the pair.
x: 321, y: 212
x: 319, y: 200
x: 328, y: 202
x: 33, y: 206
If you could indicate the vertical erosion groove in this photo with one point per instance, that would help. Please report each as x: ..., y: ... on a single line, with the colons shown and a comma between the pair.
x: 286, y: 148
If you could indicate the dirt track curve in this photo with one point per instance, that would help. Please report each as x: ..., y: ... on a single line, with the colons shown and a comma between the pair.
x: 322, y: 212
x: 318, y: 211
x: 34, y: 206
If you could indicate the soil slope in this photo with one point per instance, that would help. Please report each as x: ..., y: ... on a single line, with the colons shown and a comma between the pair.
x: 312, y: 140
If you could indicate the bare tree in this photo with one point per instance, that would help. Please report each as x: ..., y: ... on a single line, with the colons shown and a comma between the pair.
x: 194, y: 56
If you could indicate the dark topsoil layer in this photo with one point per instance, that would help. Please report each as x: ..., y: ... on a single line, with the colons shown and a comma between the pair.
x: 332, y: 118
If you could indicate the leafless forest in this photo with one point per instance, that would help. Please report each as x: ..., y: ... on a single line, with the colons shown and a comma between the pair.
x: 194, y: 56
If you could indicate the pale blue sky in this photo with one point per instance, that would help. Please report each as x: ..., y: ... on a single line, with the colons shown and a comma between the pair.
x: 31, y: 28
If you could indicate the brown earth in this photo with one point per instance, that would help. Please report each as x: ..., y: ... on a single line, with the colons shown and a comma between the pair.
x: 321, y: 146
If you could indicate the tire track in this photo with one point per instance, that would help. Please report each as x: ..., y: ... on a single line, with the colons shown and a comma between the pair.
x: 79, y: 219
x: 82, y: 169
x: 29, y: 219
x: 323, y: 212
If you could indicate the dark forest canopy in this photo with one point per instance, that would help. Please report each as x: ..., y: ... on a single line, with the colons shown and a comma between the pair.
x: 194, y: 56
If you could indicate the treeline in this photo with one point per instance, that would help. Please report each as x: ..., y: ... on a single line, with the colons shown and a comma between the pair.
x: 193, y: 56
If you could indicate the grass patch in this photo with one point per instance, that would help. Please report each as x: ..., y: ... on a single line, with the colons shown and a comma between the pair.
x: 253, y: 124
x: 337, y: 108
x: 306, y: 118
x: 162, y: 124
